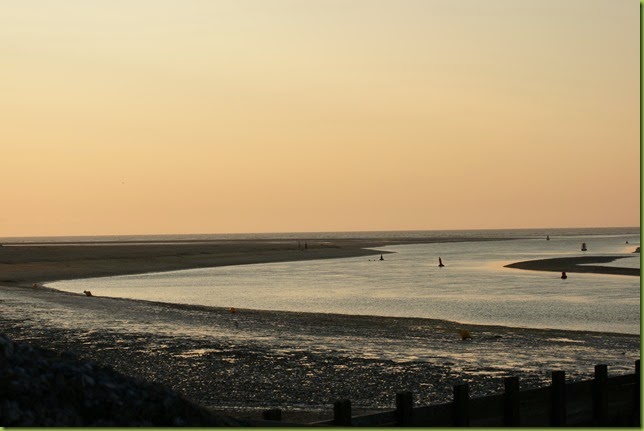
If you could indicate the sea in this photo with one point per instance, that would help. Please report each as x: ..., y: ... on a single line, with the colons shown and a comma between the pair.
x: 473, y: 287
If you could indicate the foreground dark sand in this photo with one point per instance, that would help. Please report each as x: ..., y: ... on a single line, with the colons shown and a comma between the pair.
x: 253, y: 360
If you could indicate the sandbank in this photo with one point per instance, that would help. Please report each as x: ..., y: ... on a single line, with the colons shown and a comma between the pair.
x: 576, y: 264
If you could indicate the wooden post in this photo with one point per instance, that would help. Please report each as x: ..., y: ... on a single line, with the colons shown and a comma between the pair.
x: 461, y: 414
x: 272, y: 415
x: 600, y: 398
x: 558, y: 399
x: 511, y: 402
x: 342, y: 413
x: 404, y: 408
x: 637, y: 397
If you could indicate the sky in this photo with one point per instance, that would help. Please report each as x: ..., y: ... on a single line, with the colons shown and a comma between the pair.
x: 222, y: 116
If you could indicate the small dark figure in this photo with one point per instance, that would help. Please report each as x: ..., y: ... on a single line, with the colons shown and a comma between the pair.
x: 87, y: 293
x: 583, y: 246
x: 563, y: 275
x: 440, y: 263
x: 382, y: 258
x: 306, y: 246
x: 626, y: 242
x: 547, y: 237
x: 465, y: 334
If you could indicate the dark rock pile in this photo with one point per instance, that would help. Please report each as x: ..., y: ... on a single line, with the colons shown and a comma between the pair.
x: 41, y: 388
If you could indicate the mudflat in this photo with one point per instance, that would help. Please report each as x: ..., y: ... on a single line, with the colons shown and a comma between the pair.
x: 243, y: 363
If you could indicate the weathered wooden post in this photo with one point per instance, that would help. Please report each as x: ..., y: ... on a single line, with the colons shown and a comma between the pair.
x: 272, y: 415
x: 461, y: 414
x: 404, y: 408
x: 342, y: 413
x: 600, y: 398
x: 511, y: 402
x: 637, y: 397
x: 558, y: 399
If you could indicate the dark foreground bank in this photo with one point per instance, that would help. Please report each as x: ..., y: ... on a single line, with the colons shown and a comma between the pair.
x: 42, y: 388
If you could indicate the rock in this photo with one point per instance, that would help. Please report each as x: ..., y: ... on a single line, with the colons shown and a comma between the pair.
x: 6, y: 347
x: 40, y: 388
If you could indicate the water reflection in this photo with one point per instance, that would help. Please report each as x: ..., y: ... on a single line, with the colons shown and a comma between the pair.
x: 473, y: 287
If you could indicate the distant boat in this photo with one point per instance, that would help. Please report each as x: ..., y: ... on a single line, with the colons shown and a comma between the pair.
x: 583, y: 246
x: 440, y: 263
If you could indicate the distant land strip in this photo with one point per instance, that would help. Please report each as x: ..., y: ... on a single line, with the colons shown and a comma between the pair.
x: 26, y: 264
x: 576, y: 264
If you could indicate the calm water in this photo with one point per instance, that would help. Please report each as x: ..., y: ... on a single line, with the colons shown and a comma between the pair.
x: 473, y: 287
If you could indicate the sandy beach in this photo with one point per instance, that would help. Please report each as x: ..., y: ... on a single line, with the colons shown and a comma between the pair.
x: 254, y: 360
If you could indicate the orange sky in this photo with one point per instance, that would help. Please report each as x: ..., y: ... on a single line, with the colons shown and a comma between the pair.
x: 215, y: 116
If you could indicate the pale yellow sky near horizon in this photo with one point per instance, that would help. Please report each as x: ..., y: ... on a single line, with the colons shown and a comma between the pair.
x: 197, y: 116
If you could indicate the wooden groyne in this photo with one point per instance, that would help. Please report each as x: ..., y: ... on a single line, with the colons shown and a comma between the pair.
x: 602, y: 401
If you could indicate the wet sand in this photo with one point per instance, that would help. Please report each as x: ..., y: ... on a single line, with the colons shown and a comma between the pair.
x: 576, y: 264
x: 246, y: 362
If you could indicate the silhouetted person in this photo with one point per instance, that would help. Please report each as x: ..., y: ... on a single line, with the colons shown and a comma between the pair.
x: 547, y: 237
x: 583, y: 246
x: 382, y: 258
x: 563, y: 275
x: 440, y: 263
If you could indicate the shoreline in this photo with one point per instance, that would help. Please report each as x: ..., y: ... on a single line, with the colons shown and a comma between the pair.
x: 316, y: 315
x: 25, y: 265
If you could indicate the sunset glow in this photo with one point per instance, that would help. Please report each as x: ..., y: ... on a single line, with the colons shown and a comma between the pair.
x: 152, y: 117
